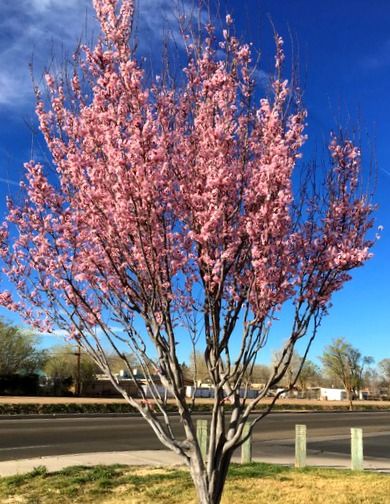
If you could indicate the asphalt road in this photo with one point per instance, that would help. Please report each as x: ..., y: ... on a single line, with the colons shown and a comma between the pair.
x: 326, y: 432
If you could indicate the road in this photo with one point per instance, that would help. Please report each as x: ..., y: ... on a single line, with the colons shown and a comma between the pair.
x: 327, y: 433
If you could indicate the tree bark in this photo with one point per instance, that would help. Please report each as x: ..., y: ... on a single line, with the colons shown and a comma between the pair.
x: 199, y: 477
x: 350, y: 399
x: 209, y: 490
x: 218, y: 483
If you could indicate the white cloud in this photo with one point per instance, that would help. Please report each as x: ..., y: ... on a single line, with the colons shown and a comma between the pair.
x: 37, y: 30
x: 263, y: 79
x: 386, y: 172
x: 58, y: 333
x: 9, y: 181
x: 30, y: 30
x: 64, y: 334
x: 9, y: 87
x: 42, y: 5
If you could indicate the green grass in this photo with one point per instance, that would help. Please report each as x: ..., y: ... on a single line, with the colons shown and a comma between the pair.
x: 252, y: 484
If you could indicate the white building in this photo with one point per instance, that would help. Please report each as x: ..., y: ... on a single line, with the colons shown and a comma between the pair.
x: 332, y: 394
x: 207, y: 392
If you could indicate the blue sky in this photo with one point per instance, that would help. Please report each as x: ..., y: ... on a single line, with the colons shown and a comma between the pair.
x: 344, y: 58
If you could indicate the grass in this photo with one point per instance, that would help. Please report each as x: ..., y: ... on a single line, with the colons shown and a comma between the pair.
x: 252, y: 484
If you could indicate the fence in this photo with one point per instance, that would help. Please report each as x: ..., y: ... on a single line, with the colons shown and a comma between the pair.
x: 300, y: 445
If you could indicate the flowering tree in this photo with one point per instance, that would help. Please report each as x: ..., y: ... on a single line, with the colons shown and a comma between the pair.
x: 171, y: 211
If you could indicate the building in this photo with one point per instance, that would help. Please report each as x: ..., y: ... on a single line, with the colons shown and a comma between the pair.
x: 327, y: 394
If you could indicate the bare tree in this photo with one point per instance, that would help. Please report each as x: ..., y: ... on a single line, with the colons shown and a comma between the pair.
x: 384, y: 368
x: 198, y: 370
x: 310, y: 376
x: 345, y: 363
x: 301, y: 372
x: 383, y: 375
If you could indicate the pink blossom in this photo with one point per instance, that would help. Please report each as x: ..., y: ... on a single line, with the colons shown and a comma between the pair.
x: 170, y: 199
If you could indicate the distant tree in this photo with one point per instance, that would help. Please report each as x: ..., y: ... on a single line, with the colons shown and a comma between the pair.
x: 198, y: 371
x: 384, y: 375
x: 19, y: 353
x: 384, y: 369
x: 63, y: 370
x: 260, y: 373
x: 373, y: 379
x: 310, y: 375
x: 345, y: 363
x: 117, y: 363
x: 301, y: 372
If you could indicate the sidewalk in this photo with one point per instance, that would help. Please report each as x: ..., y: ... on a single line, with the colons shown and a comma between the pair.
x: 167, y: 458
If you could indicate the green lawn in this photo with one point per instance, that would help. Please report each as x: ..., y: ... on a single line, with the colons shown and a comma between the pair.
x: 250, y: 484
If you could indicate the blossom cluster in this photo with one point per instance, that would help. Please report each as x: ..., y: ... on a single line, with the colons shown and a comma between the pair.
x: 160, y: 190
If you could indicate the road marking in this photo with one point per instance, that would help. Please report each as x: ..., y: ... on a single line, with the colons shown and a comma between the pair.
x: 27, y: 447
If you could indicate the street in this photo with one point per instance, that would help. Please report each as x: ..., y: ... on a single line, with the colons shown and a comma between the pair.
x: 326, y: 433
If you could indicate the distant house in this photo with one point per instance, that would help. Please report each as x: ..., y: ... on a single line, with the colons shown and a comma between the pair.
x: 328, y: 394
x: 102, y: 386
x: 151, y: 386
x: 207, y: 392
x: 364, y: 395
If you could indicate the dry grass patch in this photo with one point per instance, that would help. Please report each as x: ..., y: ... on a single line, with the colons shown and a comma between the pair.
x: 252, y: 484
x: 88, y: 405
x: 309, y: 486
x: 288, y: 403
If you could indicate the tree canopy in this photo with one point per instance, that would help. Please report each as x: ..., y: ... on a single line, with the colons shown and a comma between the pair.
x: 384, y: 368
x: 65, y: 367
x: 19, y: 352
x: 171, y: 214
x: 346, y: 364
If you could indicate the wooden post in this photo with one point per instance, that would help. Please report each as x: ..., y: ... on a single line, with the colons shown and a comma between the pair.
x: 246, y: 447
x: 356, y: 449
x: 300, y: 446
x: 201, y: 433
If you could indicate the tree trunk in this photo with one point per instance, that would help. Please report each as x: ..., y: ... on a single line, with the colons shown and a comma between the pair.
x: 218, y: 482
x: 350, y: 398
x: 209, y: 491
x: 199, y: 477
